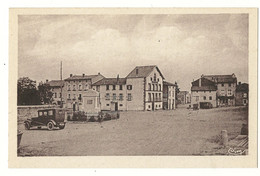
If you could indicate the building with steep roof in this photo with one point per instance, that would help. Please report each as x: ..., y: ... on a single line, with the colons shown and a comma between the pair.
x: 203, y: 91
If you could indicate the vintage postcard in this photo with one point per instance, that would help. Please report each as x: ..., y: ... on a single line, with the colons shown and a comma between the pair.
x: 148, y: 87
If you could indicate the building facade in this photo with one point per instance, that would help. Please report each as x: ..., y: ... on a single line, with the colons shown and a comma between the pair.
x: 113, y: 95
x: 169, y: 92
x: 242, y: 94
x: 57, y: 88
x: 183, y: 97
x: 203, y: 91
x: 226, y: 88
x: 76, y: 86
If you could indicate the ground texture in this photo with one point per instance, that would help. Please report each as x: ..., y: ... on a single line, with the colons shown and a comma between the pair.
x: 178, y: 132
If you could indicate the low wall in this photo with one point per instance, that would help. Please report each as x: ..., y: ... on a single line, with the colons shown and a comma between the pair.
x: 24, y: 112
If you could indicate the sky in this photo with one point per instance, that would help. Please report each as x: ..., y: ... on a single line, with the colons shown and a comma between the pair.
x: 183, y: 46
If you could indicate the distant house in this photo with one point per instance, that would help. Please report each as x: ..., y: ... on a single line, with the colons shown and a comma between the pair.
x: 56, y: 86
x: 183, y: 97
x: 169, y: 90
x: 203, y: 91
x: 242, y: 94
x: 226, y: 88
x: 76, y: 87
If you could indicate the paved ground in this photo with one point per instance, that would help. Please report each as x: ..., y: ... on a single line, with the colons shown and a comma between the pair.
x: 179, y: 132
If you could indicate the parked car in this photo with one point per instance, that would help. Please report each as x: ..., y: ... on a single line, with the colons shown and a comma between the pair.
x: 48, y: 117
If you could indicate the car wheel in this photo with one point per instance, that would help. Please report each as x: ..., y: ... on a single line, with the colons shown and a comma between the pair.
x: 50, y: 126
x: 62, y: 127
x: 27, y: 125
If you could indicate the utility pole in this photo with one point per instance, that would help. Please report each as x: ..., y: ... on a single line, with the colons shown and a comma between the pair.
x: 61, y: 102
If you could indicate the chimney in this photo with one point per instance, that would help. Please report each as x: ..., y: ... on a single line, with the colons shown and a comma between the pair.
x: 47, y: 80
x: 70, y: 75
x: 136, y: 71
x: 98, y: 73
x: 83, y: 74
x: 199, y: 82
x: 202, y: 75
x: 239, y: 83
x: 117, y: 78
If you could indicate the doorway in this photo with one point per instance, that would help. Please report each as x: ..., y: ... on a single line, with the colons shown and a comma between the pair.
x: 116, y: 106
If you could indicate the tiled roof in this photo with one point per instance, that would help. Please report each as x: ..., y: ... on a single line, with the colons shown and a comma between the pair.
x: 242, y: 87
x: 221, y: 78
x: 111, y: 81
x: 203, y: 84
x: 143, y: 71
x: 56, y: 83
x: 168, y: 83
x: 80, y: 77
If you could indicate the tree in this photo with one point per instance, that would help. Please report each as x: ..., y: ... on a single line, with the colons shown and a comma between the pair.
x: 45, y: 93
x: 27, y: 93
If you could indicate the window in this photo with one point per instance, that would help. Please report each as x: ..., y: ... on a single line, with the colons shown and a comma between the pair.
x: 120, y: 104
x: 154, y: 77
x: 107, y: 96
x: 114, y: 96
x: 153, y: 86
x: 156, y: 97
x: 86, y: 87
x: 159, y: 96
x: 204, y: 97
x: 79, y: 96
x: 156, y: 87
x: 129, y: 87
x: 114, y: 87
x: 107, y: 104
x: 160, y: 87
x: 149, y: 97
x: 69, y: 87
x: 68, y: 96
x: 149, y: 86
x: 210, y: 97
x: 158, y: 79
x: 107, y: 87
x: 229, y: 92
x: 222, y: 85
x: 245, y: 95
x: 151, y: 79
x: 229, y: 84
x: 129, y: 97
x: 55, y: 95
x: 90, y: 102
x: 50, y: 112
x: 121, y: 97
x: 120, y: 87
x: 74, y: 87
x: 79, y: 87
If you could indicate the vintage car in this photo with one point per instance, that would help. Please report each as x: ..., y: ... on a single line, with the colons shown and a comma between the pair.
x: 48, y: 117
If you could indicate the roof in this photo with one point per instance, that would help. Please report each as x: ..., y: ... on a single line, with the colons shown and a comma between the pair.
x: 111, y: 81
x: 221, y: 78
x: 56, y: 83
x: 143, y: 71
x: 203, y: 84
x: 168, y: 83
x: 80, y: 77
x: 242, y: 87
x: 91, y: 93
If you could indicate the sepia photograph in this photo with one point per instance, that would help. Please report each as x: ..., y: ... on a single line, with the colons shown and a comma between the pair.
x: 134, y: 84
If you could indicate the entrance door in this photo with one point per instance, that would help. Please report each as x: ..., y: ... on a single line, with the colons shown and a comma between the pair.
x: 74, y: 107
x: 116, y: 106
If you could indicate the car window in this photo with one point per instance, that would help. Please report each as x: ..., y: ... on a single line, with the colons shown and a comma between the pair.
x: 60, y: 112
x: 40, y: 113
x: 50, y: 112
x: 45, y: 113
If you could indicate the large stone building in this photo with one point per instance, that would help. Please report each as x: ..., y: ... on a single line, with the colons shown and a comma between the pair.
x: 76, y: 87
x: 242, y: 94
x: 203, y: 91
x: 226, y: 88
x: 169, y: 92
